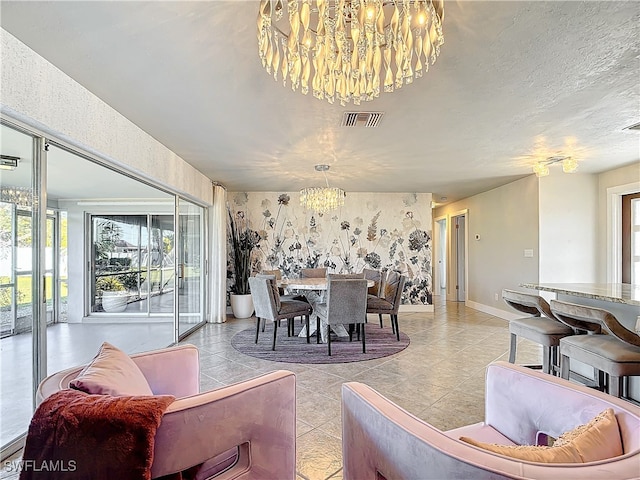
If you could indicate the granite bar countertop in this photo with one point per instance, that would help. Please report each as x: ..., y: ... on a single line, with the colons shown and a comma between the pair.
x: 609, y: 292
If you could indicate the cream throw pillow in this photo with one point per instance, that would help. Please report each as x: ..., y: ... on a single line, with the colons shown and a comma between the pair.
x: 597, y: 440
x: 112, y: 372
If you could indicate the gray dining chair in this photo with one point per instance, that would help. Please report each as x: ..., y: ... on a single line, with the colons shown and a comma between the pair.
x: 541, y: 327
x: 346, y: 304
x: 313, y: 272
x: 278, y: 276
x: 609, y: 347
x: 345, y: 276
x: 389, y: 301
x: 269, y: 306
x: 378, y: 277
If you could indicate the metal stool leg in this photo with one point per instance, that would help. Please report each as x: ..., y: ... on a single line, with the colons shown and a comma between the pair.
x: 546, y: 359
x: 512, y: 348
x: 564, y: 366
x: 555, y: 361
x: 615, y: 386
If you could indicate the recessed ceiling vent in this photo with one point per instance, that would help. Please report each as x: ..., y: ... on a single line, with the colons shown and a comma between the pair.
x: 635, y: 127
x: 361, y: 119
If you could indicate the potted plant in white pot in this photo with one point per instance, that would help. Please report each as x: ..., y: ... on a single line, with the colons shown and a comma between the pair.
x: 114, y: 296
x: 242, y: 242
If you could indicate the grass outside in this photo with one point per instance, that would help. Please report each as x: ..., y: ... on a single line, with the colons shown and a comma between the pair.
x: 24, y: 290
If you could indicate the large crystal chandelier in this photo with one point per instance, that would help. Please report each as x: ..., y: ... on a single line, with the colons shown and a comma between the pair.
x: 349, y: 49
x: 322, y: 199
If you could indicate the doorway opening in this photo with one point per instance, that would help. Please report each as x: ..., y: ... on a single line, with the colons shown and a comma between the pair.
x: 440, y: 254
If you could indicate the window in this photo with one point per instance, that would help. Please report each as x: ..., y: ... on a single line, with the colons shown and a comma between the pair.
x: 635, y: 241
x: 630, y: 265
x: 133, y: 262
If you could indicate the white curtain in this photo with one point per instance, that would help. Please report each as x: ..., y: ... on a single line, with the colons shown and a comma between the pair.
x: 219, y: 255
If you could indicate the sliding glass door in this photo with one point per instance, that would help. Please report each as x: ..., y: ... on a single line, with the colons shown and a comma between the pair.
x: 133, y: 264
x: 190, y: 266
x: 88, y: 254
x: 162, y: 264
x: 141, y: 267
x: 16, y: 286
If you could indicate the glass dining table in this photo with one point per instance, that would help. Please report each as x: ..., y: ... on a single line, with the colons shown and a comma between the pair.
x: 314, y: 289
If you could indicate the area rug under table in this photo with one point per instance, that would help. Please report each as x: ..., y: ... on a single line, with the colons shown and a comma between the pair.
x: 381, y: 342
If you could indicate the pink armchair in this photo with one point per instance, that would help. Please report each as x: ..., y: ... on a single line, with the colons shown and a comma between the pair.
x: 249, y: 426
x: 380, y: 438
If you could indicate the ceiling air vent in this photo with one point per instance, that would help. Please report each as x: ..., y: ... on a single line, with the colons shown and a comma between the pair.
x: 361, y: 119
x: 635, y: 127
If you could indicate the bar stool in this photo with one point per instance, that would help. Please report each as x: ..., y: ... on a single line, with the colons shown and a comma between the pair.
x: 542, y: 327
x: 609, y: 347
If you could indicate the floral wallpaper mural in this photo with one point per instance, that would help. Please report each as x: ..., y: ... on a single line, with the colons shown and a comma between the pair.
x: 389, y: 231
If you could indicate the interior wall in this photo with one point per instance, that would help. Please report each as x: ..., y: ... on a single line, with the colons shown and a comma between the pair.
x: 628, y: 175
x: 372, y: 230
x: 568, y: 228
x: 39, y: 95
x: 502, y: 223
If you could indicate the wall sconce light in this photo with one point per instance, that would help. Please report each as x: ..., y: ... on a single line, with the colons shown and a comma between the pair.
x: 8, y: 162
x: 569, y: 165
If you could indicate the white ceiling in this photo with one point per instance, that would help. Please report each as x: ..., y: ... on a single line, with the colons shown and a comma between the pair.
x: 510, y: 73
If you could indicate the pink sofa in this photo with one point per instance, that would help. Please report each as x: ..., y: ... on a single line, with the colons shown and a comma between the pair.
x: 249, y: 426
x: 380, y: 438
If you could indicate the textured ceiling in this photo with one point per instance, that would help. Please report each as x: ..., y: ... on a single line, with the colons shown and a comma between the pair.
x: 510, y: 76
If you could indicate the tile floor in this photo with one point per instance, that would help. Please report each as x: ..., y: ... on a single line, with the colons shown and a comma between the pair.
x: 439, y: 377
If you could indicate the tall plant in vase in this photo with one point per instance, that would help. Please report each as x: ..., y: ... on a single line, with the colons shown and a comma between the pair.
x: 242, y: 241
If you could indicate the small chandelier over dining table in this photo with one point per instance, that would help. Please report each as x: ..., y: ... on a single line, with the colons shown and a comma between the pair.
x: 322, y: 199
x: 354, y: 48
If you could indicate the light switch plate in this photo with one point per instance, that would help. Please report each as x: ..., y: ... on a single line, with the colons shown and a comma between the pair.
x: 528, y: 252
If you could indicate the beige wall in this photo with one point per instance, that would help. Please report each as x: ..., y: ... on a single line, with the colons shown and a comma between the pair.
x: 565, y: 219
x: 506, y: 221
x: 568, y: 235
x: 39, y: 95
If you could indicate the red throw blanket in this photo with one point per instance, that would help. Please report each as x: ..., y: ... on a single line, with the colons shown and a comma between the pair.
x: 74, y: 435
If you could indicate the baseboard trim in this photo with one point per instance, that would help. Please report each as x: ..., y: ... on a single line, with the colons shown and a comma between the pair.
x: 496, y: 312
x: 415, y: 308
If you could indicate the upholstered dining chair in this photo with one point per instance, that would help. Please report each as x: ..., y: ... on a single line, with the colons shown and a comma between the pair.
x: 345, y: 276
x: 614, y: 352
x: 313, y: 272
x: 378, y: 277
x: 541, y: 327
x: 278, y: 276
x: 389, y: 301
x: 346, y: 304
x: 269, y: 306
